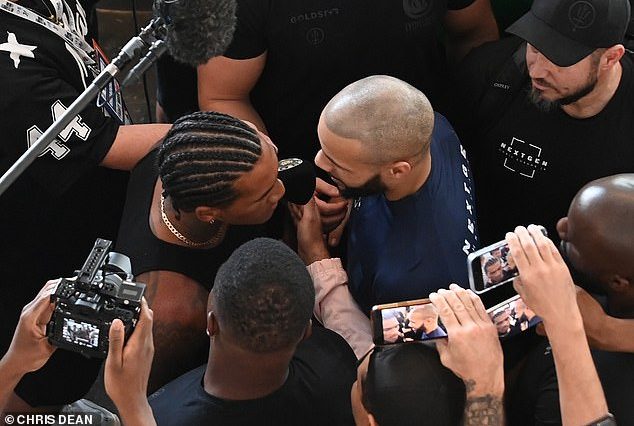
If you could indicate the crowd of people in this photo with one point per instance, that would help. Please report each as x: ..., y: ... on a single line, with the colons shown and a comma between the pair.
x: 259, y: 311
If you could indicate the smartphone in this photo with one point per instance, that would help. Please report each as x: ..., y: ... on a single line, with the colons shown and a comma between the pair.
x: 411, y: 321
x: 512, y: 317
x: 492, y: 266
x: 418, y: 321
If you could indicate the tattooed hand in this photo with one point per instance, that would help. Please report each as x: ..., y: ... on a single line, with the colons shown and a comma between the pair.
x: 473, y: 352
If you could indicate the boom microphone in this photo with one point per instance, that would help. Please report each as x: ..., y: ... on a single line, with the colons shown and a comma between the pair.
x: 197, y: 30
x: 298, y: 177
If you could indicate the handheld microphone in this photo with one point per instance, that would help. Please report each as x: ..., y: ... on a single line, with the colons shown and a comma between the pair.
x: 197, y: 30
x: 298, y: 177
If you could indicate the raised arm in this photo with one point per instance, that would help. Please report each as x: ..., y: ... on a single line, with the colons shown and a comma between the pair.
x: 472, y: 351
x: 224, y: 85
x: 547, y: 288
x: 334, y: 306
x: 468, y: 28
x: 132, y: 143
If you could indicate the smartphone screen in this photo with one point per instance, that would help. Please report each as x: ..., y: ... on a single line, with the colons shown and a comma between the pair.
x: 418, y: 321
x: 512, y: 317
x: 406, y: 322
x: 491, y: 267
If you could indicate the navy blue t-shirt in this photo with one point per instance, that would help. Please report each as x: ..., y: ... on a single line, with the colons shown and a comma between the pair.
x: 405, y: 249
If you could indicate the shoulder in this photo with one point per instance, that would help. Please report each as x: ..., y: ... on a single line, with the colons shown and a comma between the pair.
x: 445, y: 140
x: 325, y: 350
x: 177, y: 392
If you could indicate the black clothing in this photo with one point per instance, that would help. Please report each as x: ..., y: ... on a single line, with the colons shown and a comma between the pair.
x: 316, y: 392
x: 148, y: 253
x: 53, y: 213
x: 534, y: 398
x: 527, y: 164
x: 616, y: 371
x: 317, y: 47
x: 176, y: 87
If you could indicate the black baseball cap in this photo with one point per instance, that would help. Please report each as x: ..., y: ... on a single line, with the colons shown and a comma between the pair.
x: 566, y: 31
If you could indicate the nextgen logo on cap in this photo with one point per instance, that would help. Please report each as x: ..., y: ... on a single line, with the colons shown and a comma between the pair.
x: 566, y: 31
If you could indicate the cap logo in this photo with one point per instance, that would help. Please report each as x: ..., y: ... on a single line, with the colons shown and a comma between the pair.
x: 581, y: 15
x: 416, y: 9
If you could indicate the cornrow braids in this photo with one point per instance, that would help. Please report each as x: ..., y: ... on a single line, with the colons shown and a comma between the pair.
x: 202, y: 156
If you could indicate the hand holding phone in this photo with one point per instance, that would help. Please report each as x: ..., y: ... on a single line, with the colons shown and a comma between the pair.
x: 545, y: 283
x: 492, y: 266
x: 415, y: 320
x: 472, y: 349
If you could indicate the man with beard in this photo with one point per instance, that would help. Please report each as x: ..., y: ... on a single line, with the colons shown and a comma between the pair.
x: 544, y: 114
x: 412, y: 223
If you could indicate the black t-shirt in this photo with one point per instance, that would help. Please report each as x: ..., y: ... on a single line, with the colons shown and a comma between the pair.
x: 616, y: 371
x: 317, y: 47
x: 148, y: 253
x: 529, y: 165
x: 316, y: 392
x: 53, y: 213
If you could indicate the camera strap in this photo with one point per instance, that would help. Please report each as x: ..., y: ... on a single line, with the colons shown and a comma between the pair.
x: 83, y: 49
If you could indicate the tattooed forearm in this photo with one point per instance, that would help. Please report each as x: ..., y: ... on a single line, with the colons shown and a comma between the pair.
x: 483, y: 410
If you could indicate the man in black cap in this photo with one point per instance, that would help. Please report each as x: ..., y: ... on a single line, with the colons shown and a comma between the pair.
x: 545, y: 112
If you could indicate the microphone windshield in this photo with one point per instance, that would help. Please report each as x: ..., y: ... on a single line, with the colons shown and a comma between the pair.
x: 298, y: 177
x: 197, y: 30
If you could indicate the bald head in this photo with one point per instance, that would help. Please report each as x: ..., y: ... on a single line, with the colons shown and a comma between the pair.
x: 602, y: 216
x: 391, y: 118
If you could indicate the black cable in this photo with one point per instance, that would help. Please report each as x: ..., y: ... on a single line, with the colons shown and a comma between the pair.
x: 145, y: 91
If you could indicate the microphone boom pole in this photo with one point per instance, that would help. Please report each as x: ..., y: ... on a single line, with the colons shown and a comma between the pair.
x: 127, y: 54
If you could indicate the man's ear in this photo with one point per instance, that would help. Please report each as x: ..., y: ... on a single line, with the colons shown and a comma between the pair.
x: 308, y: 330
x: 207, y: 214
x: 613, y: 55
x: 562, y: 228
x: 618, y: 284
x: 399, y: 169
x: 212, y: 324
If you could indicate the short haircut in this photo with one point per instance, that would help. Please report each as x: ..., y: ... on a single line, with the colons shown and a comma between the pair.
x: 428, y: 311
x: 264, y: 296
x: 407, y: 384
x: 202, y: 156
x: 492, y: 261
x: 501, y: 312
x: 392, y: 119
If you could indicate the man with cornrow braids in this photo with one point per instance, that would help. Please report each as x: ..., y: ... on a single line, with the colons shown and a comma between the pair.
x: 211, y: 172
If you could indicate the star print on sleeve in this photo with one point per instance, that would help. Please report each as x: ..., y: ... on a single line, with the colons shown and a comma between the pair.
x: 16, y: 50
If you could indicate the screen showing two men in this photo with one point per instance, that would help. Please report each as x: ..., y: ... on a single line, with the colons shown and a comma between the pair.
x: 422, y: 322
x: 411, y: 323
x: 80, y: 333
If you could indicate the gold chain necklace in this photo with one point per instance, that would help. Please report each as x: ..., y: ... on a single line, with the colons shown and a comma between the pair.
x: 212, y: 241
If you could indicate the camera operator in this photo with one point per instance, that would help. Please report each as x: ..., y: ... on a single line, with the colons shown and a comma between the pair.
x: 73, y: 192
x: 545, y: 284
x: 126, y: 369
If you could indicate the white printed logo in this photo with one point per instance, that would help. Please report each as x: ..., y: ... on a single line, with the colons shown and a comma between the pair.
x: 523, y: 158
x: 57, y: 148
